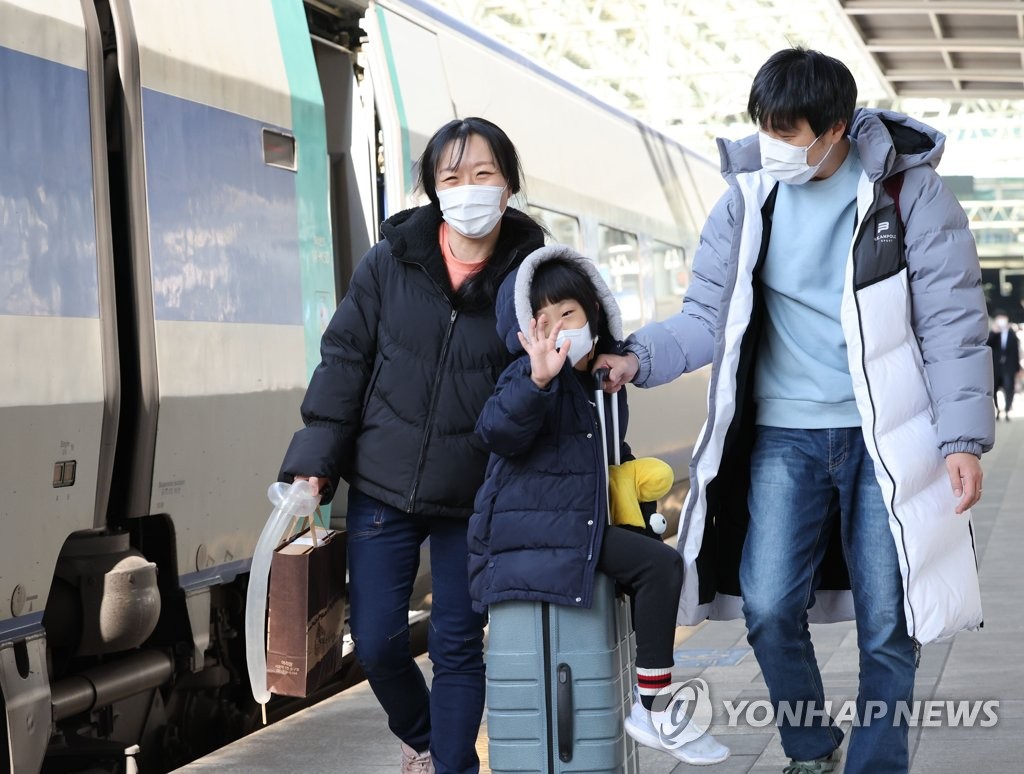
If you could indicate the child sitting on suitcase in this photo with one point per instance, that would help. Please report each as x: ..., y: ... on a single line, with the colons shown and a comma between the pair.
x: 540, y: 527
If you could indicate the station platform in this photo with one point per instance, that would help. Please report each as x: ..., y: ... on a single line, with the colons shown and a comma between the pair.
x: 348, y: 734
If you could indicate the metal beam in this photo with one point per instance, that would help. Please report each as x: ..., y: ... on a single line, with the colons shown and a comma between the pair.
x: 963, y: 74
x: 948, y: 7
x: 952, y: 94
x: 973, y: 45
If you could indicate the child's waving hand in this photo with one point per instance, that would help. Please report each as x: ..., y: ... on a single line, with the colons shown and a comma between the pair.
x: 545, y: 360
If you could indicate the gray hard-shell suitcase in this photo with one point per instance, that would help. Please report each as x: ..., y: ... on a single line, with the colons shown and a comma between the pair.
x: 560, y: 680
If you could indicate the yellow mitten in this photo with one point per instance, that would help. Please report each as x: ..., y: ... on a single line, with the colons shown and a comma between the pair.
x: 636, y: 481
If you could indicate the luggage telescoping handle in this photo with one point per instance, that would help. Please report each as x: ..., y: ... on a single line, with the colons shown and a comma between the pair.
x: 600, y: 375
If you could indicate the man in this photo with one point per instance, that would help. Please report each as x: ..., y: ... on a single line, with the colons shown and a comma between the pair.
x: 1005, y: 361
x: 837, y: 293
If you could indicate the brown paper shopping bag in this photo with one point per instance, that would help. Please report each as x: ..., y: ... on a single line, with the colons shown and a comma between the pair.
x: 306, y: 618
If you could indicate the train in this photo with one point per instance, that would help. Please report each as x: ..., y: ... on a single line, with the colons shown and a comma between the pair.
x: 185, y: 188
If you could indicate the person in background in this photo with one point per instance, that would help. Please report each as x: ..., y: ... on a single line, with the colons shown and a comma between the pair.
x: 409, y: 359
x: 1005, y: 361
x: 837, y: 294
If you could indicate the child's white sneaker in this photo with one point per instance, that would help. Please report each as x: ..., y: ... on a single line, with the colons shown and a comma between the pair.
x: 701, y: 749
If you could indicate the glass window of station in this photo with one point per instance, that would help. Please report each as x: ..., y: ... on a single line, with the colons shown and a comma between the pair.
x: 618, y: 259
x: 671, y: 278
x: 562, y: 229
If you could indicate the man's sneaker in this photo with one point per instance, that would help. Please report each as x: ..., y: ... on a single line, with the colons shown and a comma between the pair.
x: 700, y: 751
x: 819, y: 766
x: 414, y: 762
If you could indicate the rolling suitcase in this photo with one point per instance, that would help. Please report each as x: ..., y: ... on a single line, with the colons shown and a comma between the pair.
x: 560, y: 679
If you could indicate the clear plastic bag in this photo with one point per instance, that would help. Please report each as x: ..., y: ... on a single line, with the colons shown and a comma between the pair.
x: 291, y: 501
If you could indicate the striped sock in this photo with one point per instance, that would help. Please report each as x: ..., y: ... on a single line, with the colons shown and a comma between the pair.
x: 651, y: 681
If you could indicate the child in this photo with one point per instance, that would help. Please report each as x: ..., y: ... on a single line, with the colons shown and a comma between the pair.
x: 539, y: 530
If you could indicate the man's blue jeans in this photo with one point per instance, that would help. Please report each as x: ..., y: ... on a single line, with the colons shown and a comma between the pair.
x: 798, y: 478
x: 383, y: 559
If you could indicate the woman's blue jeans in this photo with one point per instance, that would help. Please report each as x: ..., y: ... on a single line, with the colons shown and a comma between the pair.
x: 383, y: 559
x: 799, y: 478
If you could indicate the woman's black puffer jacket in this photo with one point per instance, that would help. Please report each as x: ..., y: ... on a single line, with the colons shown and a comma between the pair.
x: 407, y: 364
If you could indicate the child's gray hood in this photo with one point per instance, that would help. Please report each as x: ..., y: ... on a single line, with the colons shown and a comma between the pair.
x: 513, y: 308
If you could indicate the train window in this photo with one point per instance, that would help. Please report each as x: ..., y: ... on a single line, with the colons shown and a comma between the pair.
x: 618, y: 258
x: 279, y: 149
x: 671, y: 278
x: 564, y: 229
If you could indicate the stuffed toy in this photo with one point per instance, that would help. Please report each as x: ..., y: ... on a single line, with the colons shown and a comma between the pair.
x: 638, y: 481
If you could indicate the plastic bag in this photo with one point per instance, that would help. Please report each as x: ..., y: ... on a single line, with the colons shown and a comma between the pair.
x: 291, y: 501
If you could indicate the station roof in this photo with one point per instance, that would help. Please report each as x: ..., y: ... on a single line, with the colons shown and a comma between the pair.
x: 946, y: 49
x: 685, y: 66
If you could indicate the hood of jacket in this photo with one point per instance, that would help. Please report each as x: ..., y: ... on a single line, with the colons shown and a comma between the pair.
x: 888, y: 142
x: 513, y: 305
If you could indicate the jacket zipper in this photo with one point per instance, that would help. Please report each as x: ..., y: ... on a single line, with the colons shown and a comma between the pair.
x: 597, y: 500
x: 703, y: 442
x: 858, y: 236
x: 602, y: 475
x: 430, y: 413
x: 410, y: 507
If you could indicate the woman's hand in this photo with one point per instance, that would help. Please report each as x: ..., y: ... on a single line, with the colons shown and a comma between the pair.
x: 545, y: 360
x: 315, y: 482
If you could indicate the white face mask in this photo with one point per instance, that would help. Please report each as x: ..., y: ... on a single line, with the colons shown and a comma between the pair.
x: 1002, y: 323
x: 472, y: 210
x: 788, y: 163
x: 580, y: 342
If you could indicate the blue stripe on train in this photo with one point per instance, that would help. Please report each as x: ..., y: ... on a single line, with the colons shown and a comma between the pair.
x: 47, y: 220
x: 223, y: 225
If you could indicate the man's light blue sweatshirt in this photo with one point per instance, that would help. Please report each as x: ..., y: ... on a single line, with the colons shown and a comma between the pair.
x: 802, y: 378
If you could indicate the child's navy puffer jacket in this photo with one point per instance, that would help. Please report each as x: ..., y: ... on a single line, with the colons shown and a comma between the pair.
x: 540, y: 515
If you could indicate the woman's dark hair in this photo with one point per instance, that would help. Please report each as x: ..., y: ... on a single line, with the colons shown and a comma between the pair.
x: 800, y: 83
x: 459, y: 131
x: 482, y: 287
x: 558, y: 280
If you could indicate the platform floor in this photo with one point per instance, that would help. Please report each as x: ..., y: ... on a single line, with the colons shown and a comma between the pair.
x: 348, y: 733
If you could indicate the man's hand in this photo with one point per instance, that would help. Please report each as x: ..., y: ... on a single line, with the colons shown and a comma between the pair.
x: 622, y: 369
x: 965, y: 475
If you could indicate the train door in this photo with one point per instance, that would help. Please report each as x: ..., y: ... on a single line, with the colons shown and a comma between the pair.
x: 351, y: 149
x: 59, y: 389
x: 412, y: 96
x: 231, y: 272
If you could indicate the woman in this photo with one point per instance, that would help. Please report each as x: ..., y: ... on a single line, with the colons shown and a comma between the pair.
x: 409, y: 360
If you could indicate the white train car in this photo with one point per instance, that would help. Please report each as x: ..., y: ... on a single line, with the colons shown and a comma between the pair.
x: 184, y: 189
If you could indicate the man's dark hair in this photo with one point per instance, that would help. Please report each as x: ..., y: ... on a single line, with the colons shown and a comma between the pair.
x: 800, y: 83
